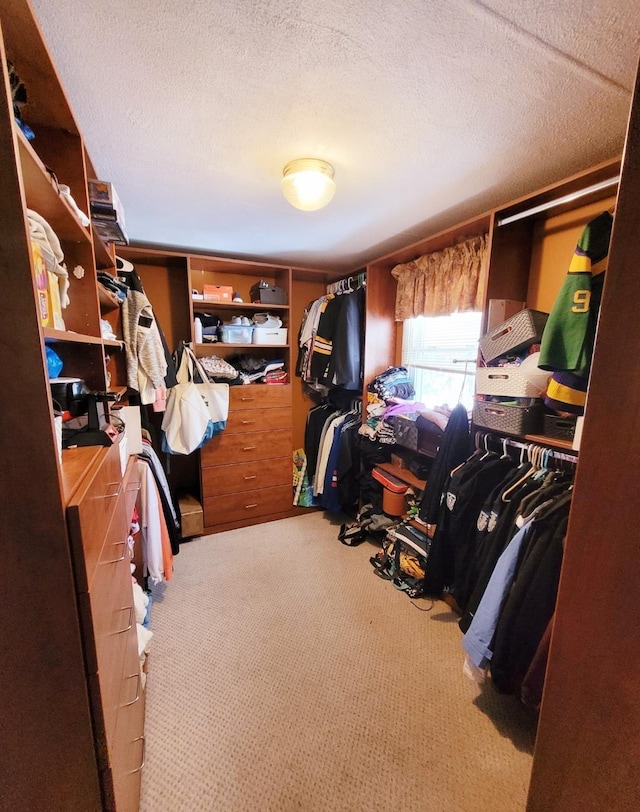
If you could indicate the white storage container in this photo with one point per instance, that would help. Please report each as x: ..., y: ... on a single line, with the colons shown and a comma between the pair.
x: 235, y: 334
x: 269, y: 335
x: 506, y: 381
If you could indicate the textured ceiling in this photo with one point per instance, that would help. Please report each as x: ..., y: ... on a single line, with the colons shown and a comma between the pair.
x: 431, y: 111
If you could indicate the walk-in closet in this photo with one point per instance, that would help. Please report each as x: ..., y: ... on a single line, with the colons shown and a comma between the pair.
x: 319, y: 504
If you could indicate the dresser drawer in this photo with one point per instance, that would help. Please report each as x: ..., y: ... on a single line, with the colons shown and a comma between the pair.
x: 259, y: 396
x: 238, y: 506
x: 90, y: 511
x: 225, y: 449
x: 258, y: 420
x: 108, y: 619
x: 243, y: 476
x: 129, y: 754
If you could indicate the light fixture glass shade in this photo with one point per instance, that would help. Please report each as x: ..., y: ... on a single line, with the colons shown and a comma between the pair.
x: 308, y: 183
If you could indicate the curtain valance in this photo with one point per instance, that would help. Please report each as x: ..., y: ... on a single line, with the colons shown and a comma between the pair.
x: 443, y: 282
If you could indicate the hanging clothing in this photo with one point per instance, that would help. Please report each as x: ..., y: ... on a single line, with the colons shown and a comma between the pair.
x: 331, y: 340
x: 532, y: 600
x: 456, y: 446
x: 330, y: 500
x: 569, y: 335
x: 479, y: 636
x: 500, y: 533
x: 452, y: 543
x: 172, y: 516
x: 156, y: 548
x: 150, y: 370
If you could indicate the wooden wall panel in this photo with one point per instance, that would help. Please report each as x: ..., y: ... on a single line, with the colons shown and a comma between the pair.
x: 588, y: 750
x: 47, y: 745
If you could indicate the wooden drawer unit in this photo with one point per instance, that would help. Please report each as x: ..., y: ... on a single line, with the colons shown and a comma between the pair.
x: 246, y: 470
x: 225, y: 449
x: 107, y: 621
x: 259, y: 396
x: 221, y: 479
x: 258, y: 420
x: 238, y: 506
x: 129, y: 755
x: 90, y: 512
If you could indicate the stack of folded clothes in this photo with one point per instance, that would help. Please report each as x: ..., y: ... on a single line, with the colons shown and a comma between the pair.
x: 256, y: 370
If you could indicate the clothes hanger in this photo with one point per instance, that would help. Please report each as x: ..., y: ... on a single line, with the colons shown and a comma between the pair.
x: 507, y: 494
x: 487, y: 452
x: 478, y: 439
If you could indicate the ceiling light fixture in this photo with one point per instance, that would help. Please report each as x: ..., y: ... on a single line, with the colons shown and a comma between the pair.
x: 308, y: 184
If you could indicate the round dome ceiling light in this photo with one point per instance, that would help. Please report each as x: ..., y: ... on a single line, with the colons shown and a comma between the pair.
x: 308, y: 184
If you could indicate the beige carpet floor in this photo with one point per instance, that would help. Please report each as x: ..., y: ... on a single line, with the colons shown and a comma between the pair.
x: 284, y: 675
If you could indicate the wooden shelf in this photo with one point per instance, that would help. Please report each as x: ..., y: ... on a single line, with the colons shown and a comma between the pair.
x: 208, y: 304
x: 103, y: 255
x: 109, y: 342
x: 541, y: 439
x: 108, y: 301
x: 51, y: 334
x: 42, y: 195
x: 404, y: 474
x: 224, y: 345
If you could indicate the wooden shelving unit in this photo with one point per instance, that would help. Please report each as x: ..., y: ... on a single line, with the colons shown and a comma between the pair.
x: 403, y: 474
x: 71, y: 732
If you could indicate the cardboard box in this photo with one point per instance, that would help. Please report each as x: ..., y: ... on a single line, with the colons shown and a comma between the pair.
x: 41, y: 281
x: 500, y: 310
x: 109, y: 230
x: 263, y: 293
x: 130, y: 416
x: 55, y: 310
x: 104, y: 198
x: 191, y: 515
x: 217, y: 293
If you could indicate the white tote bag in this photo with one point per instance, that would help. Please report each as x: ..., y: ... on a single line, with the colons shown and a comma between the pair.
x: 216, y: 395
x: 195, y: 411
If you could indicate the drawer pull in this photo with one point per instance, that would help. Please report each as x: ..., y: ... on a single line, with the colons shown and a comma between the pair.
x: 124, y: 552
x: 253, y: 476
x: 247, y: 399
x: 250, y: 448
x: 117, y: 490
x: 251, y: 506
x: 122, y: 609
x: 138, y: 689
x: 137, y: 769
x: 248, y: 422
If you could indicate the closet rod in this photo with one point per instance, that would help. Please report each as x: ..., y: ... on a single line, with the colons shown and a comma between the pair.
x: 604, y: 184
x: 559, y: 455
x: 344, y: 285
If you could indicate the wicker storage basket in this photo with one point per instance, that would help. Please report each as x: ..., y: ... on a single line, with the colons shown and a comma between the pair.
x: 506, y: 381
x: 508, y: 418
x: 513, y: 335
x: 560, y: 428
x: 405, y: 430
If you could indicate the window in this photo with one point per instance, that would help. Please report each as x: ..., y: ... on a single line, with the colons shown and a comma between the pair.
x: 440, y: 355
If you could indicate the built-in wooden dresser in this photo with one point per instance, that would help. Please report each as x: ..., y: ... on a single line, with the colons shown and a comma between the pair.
x: 99, y: 514
x: 246, y: 471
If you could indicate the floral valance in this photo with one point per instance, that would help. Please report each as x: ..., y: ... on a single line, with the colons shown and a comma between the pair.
x: 441, y: 283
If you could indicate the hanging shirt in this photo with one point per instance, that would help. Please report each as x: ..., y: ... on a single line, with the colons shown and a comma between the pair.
x: 568, y: 338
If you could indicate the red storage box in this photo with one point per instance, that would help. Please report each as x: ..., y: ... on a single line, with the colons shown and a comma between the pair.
x: 217, y: 293
x: 394, y: 502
